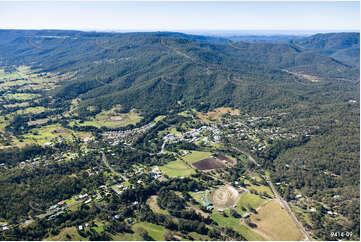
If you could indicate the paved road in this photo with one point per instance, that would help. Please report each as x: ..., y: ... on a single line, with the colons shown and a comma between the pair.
x: 248, y: 155
x: 104, y: 158
x: 288, y: 209
x: 281, y: 200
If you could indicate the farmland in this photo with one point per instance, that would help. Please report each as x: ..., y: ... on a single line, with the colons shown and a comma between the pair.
x: 177, y: 169
x: 274, y: 223
x: 196, y: 156
x: 249, y: 199
x: 208, y: 164
x: 110, y: 119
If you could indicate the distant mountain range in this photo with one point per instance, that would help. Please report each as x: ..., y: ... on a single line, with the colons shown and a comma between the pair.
x: 155, y: 72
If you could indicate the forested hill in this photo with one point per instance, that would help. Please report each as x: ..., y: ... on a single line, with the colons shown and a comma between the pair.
x: 344, y: 47
x: 158, y: 71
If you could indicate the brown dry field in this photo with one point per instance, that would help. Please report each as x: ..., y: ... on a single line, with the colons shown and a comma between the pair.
x: 225, y: 158
x: 217, y: 114
x: 208, y: 164
x: 274, y: 223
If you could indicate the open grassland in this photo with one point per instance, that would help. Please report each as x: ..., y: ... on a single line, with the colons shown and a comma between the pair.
x: 196, y: 156
x: 22, y: 96
x: 274, y: 223
x: 261, y: 189
x: 177, y: 168
x: 248, y: 233
x: 110, y: 119
x: 38, y: 121
x: 127, y: 237
x: 217, y: 114
x: 33, y: 110
x: 21, y: 83
x: 200, y: 197
x: 199, y: 237
x: 152, y: 202
x: 228, y: 221
x: 154, y: 231
x: 47, y: 133
x: 252, y: 200
x: 15, y: 105
x: 67, y: 234
x: 235, y: 223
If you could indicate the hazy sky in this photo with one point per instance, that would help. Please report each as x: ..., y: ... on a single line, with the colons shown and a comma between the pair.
x: 181, y: 15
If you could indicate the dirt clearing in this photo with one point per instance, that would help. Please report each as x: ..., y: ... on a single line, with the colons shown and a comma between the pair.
x: 225, y: 196
x: 208, y: 164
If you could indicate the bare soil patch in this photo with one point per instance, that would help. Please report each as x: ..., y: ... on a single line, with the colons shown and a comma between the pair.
x: 208, y: 164
x: 225, y: 159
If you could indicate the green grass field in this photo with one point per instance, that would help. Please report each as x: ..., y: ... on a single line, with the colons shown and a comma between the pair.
x: 196, y: 156
x: 62, y: 236
x: 33, y: 110
x: 274, y: 222
x: 199, y: 237
x: 260, y: 189
x: 46, y: 133
x: 249, y: 199
x: 236, y: 225
x: 198, y: 196
x: 110, y: 120
x: 248, y: 233
x: 154, y: 231
x: 177, y: 168
x: 127, y: 237
x: 228, y: 221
